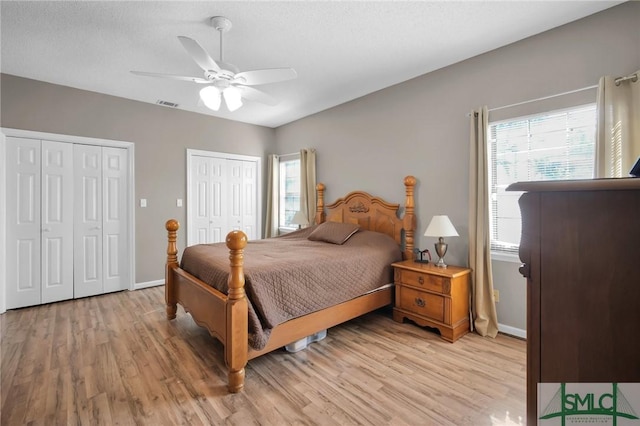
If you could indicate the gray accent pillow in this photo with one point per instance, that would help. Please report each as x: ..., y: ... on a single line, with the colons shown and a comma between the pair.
x: 333, y: 232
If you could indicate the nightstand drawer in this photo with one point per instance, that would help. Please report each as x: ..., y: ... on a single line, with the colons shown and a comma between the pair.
x: 421, y: 303
x: 422, y: 281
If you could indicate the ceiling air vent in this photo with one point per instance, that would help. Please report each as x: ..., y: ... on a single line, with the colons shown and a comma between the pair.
x: 167, y: 103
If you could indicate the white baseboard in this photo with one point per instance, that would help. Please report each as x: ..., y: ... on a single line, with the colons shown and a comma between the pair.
x: 138, y: 286
x: 512, y: 331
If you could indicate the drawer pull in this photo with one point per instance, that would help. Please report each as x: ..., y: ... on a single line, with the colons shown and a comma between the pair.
x: 420, y: 302
x: 421, y: 280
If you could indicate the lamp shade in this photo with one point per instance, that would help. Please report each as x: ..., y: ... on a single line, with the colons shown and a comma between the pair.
x: 233, y: 98
x: 300, y: 218
x: 210, y: 96
x: 440, y: 226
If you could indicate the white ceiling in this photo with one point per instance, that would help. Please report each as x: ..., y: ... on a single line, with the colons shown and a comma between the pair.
x: 341, y: 50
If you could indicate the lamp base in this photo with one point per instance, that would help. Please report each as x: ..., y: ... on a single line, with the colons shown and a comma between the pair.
x: 440, y: 263
x: 441, y: 250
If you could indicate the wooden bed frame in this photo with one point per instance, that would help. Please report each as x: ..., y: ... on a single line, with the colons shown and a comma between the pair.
x: 225, y: 316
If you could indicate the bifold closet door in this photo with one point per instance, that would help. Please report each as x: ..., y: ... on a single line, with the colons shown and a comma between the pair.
x: 223, y: 197
x: 100, y: 234
x: 39, y: 222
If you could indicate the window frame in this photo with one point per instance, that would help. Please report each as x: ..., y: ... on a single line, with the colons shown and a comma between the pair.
x: 283, y: 228
x: 503, y: 250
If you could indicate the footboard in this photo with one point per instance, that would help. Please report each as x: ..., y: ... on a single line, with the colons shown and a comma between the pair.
x: 224, y: 316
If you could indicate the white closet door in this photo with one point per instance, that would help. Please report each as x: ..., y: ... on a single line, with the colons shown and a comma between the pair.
x: 249, y: 199
x: 218, y: 219
x: 235, y: 197
x: 222, y: 196
x: 88, y: 257
x: 114, y: 219
x: 57, y: 221
x: 241, y: 200
x: 23, y: 222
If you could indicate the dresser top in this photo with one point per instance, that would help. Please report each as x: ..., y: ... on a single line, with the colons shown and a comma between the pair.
x: 610, y: 184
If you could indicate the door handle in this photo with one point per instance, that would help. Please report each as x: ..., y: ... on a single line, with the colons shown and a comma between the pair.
x: 97, y: 228
x: 46, y: 229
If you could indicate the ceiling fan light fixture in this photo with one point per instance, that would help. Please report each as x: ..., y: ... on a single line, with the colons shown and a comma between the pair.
x: 210, y: 96
x: 233, y: 98
x: 222, y: 79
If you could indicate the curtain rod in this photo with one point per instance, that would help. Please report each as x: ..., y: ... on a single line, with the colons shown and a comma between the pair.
x: 544, y: 98
x: 633, y: 77
x: 540, y: 99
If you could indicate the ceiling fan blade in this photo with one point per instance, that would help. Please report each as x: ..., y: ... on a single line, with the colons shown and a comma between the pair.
x: 199, y: 55
x: 256, y: 95
x: 172, y: 77
x: 257, y: 77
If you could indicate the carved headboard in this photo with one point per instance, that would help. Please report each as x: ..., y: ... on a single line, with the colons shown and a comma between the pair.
x: 373, y: 214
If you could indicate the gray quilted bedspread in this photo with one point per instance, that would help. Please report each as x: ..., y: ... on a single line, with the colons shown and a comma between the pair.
x: 290, y: 276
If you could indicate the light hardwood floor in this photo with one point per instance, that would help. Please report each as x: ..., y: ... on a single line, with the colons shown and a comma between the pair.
x: 115, y: 359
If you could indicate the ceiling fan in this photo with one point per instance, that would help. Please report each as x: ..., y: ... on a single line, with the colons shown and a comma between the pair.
x: 224, y: 80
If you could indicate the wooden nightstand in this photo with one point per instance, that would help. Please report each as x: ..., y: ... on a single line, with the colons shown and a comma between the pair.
x: 433, y: 297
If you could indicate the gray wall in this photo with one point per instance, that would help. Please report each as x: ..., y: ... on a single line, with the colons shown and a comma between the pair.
x: 161, y: 136
x: 421, y: 127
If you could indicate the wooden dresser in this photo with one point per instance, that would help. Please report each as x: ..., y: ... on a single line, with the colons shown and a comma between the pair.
x: 433, y: 297
x: 580, y: 250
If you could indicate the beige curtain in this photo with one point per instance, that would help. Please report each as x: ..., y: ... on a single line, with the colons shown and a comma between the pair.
x: 308, y: 183
x: 273, y: 187
x: 483, y: 309
x: 618, y: 135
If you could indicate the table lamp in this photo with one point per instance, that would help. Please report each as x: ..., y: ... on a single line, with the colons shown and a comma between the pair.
x: 300, y: 219
x: 440, y: 226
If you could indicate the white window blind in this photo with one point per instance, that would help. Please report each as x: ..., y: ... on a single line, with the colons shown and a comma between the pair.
x: 289, y: 202
x: 555, y: 145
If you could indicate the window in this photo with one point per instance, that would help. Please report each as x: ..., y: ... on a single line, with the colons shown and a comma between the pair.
x: 289, y: 202
x: 556, y: 145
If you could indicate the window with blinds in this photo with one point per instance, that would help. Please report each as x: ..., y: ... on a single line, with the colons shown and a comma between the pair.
x: 289, y: 202
x: 555, y: 145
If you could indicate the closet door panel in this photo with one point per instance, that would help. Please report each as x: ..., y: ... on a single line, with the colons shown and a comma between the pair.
x: 218, y: 219
x: 249, y: 197
x: 201, y: 181
x: 23, y: 179
x: 235, y: 194
x: 88, y: 221
x: 57, y: 221
x: 115, y: 221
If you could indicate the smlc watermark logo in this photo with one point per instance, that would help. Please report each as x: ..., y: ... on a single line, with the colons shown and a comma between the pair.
x: 614, y: 404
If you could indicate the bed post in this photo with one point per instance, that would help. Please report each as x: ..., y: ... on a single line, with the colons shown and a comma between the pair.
x: 320, y: 217
x: 409, y: 221
x: 237, y: 339
x: 172, y: 227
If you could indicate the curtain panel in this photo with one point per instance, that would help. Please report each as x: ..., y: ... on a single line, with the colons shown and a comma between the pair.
x: 484, y: 317
x: 273, y: 188
x: 308, y: 184
x: 618, y: 134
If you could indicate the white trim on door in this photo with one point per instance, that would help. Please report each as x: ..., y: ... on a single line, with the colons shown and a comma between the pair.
x: 258, y: 160
x: 19, y: 133
x: 3, y: 222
